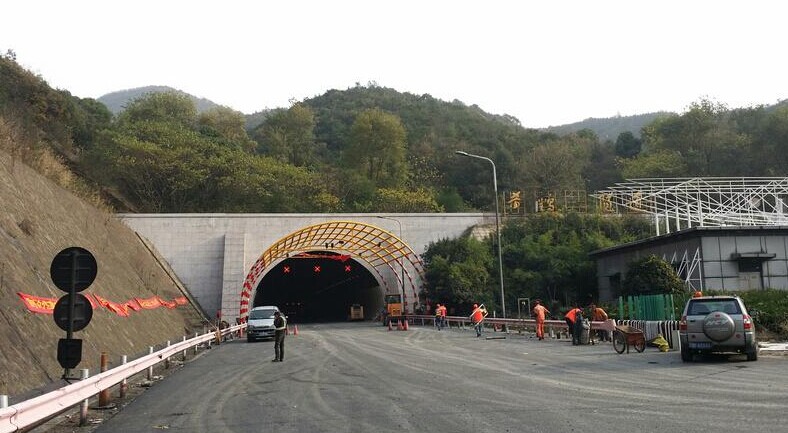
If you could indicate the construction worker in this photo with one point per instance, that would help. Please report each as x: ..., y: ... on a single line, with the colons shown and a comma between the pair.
x: 574, y: 318
x: 477, y: 317
x: 438, y: 316
x: 599, y: 315
x: 540, y: 312
x: 443, y: 315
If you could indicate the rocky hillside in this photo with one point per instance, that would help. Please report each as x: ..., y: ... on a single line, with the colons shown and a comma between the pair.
x: 38, y: 220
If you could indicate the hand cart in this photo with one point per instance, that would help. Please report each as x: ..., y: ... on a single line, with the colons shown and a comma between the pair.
x: 624, y: 336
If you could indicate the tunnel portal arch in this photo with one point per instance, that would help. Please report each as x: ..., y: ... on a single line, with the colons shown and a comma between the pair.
x: 377, y: 249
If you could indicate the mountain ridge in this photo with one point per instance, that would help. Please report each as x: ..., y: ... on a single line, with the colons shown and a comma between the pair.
x: 605, y: 128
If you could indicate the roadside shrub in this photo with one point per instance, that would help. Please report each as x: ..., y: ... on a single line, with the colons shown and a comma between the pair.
x: 768, y: 308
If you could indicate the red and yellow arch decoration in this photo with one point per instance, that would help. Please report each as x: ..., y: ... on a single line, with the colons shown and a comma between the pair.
x: 378, y: 248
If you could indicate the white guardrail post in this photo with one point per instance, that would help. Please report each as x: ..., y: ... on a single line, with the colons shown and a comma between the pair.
x: 24, y: 414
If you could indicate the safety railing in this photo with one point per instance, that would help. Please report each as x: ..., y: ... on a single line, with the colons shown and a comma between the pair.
x: 31, y: 412
x: 651, y: 328
x: 460, y: 321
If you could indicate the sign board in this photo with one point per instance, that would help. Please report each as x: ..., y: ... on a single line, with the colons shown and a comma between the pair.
x: 74, y: 269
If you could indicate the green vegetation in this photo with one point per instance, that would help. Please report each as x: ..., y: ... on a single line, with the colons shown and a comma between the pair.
x: 373, y: 149
x: 650, y: 276
x: 544, y: 256
x: 768, y: 308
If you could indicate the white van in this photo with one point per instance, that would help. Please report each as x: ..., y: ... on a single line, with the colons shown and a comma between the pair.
x: 261, y: 323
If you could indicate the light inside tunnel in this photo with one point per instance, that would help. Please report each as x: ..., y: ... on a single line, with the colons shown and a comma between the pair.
x: 319, y: 286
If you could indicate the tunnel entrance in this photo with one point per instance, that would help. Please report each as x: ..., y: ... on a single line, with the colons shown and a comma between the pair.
x: 319, y: 286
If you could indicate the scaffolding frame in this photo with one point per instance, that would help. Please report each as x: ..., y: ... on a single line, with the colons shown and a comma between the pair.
x: 701, y: 201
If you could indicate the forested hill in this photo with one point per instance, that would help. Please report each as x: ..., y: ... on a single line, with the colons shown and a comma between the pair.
x: 363, y: 149
x: 608, y: 129
x: 117, y: 101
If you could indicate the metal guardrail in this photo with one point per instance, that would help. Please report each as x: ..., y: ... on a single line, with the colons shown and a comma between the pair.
x: 607, y: 325
x: 31, y: 412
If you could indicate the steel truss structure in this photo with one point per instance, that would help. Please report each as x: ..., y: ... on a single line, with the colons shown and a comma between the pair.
x: 701, y: 201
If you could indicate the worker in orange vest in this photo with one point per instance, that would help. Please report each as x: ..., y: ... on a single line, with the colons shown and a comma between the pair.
x: 477, y: 317
x: 598, y: 314
x: 574, y: 318
x: 540, y: 312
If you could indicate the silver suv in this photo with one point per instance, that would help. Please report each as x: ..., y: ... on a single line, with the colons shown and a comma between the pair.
x: 717, y: 324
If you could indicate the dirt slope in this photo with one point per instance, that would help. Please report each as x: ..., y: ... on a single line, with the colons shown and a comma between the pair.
x: 37, y: 220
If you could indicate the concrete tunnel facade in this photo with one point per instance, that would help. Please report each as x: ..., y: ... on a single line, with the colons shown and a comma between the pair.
x: 213, y: 255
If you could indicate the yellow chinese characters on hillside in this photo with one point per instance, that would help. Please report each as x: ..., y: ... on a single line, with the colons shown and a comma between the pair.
x: 515, y: 202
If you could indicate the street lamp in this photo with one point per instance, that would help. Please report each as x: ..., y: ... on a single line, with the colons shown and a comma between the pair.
x: 401, y: 263
x: 497, y: 224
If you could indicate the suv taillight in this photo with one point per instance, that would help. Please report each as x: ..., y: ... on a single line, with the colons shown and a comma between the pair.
x: 683, y: 323
x: 747, y: 322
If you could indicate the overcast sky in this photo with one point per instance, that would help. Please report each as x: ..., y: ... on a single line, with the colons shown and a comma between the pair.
x: 547, y: 62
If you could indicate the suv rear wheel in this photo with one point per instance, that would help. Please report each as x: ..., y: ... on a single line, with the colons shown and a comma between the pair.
x: 686, y: 355
x: 752, y: 352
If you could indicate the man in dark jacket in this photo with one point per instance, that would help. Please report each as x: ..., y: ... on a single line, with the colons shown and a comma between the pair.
x: 280, y: 326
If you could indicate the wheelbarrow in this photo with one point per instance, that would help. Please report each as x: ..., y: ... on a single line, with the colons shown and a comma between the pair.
x: 625, y: 336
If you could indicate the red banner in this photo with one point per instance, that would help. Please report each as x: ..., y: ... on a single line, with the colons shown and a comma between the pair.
x: 37, y: 304
x: 150, y: 303
x: 116, y: 308
x: 119, y: 309
x: 41, y: 305
x: 168, y: 304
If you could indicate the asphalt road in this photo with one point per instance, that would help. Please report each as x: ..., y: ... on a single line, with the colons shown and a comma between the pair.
x: 360, y: 377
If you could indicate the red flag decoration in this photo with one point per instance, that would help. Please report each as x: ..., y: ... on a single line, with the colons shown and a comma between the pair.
x: 116, y: 308
x: 149, y: 303
x: 92, y: 300
x: 168, y: 304
x: 119, y: 309
x: 37, y: 304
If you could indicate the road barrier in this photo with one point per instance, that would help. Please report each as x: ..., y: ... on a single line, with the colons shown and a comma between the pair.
x: 35, y: 410
x: 650, y: 328
x: 509, y: 324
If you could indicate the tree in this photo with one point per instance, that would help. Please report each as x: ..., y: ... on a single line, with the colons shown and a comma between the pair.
x: 651, y: 275
x: 457, y: 273
x: 377, y: 148
x: 661, y: 163
x: 705, y: 138
x: 288, y: 135
x: 227, y: 125
x: 168, y: 107
x: 555, y: 166
x: 400, y: 200
x: 627, y: 145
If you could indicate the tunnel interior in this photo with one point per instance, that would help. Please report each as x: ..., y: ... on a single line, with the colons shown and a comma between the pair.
x: 319, y: 286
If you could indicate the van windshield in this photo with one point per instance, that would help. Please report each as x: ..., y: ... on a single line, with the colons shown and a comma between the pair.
x: 261, y: 314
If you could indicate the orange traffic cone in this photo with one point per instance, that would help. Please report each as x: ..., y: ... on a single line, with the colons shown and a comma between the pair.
x: 390, y: 325
x: 295, y: 329
x: 405, y: 325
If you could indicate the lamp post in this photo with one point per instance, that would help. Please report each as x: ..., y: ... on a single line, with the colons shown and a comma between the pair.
x: 497, y: 224
x: 401, y: 263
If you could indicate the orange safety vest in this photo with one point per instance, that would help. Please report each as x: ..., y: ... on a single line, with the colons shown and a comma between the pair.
x: 477, y: 316
x: 572, y: 314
